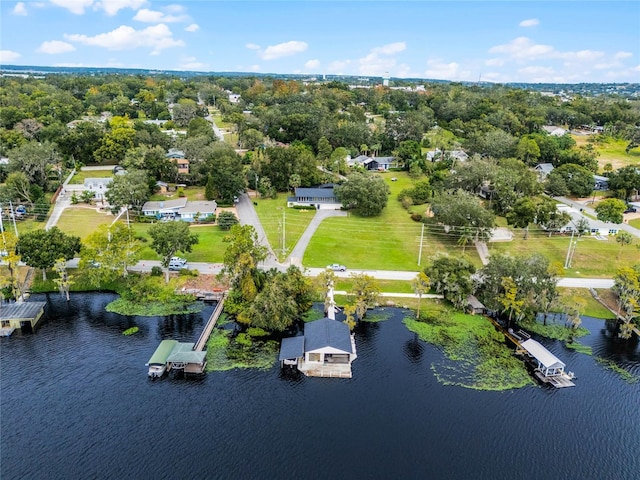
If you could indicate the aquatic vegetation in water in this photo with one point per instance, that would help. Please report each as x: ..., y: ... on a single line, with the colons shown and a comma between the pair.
x: 554, y: 330
x: 153, y: 309
x: 579, y: 347
x: 377, y: 316
x: 243, y: 351
x: 481, y: 358
x: 131, y: 331
x: 614, y: 367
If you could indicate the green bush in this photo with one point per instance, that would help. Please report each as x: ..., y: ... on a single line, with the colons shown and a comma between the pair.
x: 156, y: 271
x: 417, y: 217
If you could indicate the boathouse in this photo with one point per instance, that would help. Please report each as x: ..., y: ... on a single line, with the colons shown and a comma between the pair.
x: 548, y: 364
x: 475, y: 306
x: 326, y: 349
x: 173, y: 355
x: 14, y: 316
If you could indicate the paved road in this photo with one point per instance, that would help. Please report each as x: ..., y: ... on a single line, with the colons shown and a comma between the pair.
x: 216, y: 130
x: 296, y: 255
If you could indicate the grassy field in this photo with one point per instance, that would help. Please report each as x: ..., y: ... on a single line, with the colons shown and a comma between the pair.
x: 390, y: 241
x: 592, y: 307
x: 592, y: 258
x: 635, y: 223
x: 393, y: 286
x: 81, y: 176
x: 192, y: 194
x: 82, y: 221
x: 210, y: 248
x: 612, y: 151
x: 270, y: 211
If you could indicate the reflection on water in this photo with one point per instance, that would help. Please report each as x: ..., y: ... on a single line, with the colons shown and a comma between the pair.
x: 76, y: 403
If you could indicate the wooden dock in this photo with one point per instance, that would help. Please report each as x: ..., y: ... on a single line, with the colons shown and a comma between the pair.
x: 211, y: 323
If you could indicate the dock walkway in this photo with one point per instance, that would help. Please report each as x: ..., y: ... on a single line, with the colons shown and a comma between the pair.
x: 208, y: 328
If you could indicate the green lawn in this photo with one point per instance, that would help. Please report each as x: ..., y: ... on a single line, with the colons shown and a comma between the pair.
x: 635, y: 223
x: 210, y: 247
x: 593, y: 258
x: 270, y: 211
x: 391, y: 286
x: 81, y: 176
x: 82, y: 221
x: 592, y: 308
x: 390, y: 241
x: 192, y: 194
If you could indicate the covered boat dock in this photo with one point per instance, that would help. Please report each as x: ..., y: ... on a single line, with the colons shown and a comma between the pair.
x: 549, y: 368
x: 15, y: 316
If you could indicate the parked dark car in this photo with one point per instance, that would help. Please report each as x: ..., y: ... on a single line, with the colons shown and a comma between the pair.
x: 631, y: 210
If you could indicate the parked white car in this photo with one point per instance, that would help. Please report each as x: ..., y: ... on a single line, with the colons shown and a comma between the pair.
x: 336, y: 267
x: 177, y: 263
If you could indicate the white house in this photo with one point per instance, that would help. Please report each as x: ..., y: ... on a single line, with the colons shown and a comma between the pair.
x: 554, y: 131
x: 543, y: 170
x: 98, y: 186
x: 179, y: 209
x: 326, y: 349
x: 321, y: 198
x: 593, y: 226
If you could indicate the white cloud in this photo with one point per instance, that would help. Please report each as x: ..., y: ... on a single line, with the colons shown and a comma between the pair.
x: 390, y: 48
x: 154, y: 16
x: 621, y: 55
x: 7, y: 56
x: 254, y: 68
x: 157, y: 37
x: 191, y: 63
x: 55, y: 46
x: 252, y: 46
x: 536, y: 70
x: 69, y: 65
x: 522, y: 48
x: 285, y: 49
x: 530, y: 22
x: 445, y: 71
x: 20, y: 9
x: 312, y: 64
x: 74, y: 6
x: 111, y: 7
x: 192, y: 28
x: 378, y: 61
x: 494, y: 62
x: 338, y: 67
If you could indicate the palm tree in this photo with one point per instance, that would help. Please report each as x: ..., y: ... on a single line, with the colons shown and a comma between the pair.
x: 421, y: 285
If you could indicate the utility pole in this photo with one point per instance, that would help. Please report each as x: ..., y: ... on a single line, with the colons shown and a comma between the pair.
x: 13, y: 215
x: 421, y: 239
x: 284, y: 249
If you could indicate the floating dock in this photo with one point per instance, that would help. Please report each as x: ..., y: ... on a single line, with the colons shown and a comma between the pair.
x: 187, y: 357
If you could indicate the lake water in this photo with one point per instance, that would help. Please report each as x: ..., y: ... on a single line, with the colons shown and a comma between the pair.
x: 76, y: 403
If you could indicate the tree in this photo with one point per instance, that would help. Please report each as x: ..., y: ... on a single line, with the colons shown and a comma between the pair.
x: 115, y: 144
x: 611, y: 210
x: 130, y: 190
x: 578, y: 179
x: 324, y: 281
x: 226, y: 220
x: 366, y: 194
x: 170, y: 238
x: 420, y: 286
x: 210, y: 189
x: 63, y: 281
x: 625, y: 180
x: 10, y: 284
x: 508, y: 298
x: 41, y: 248
x: 18, y: 187
x: 528, y: 151
x: 242, y: 242
x: 626, y: 285
x: 35, y: 160
x: 109, y: 251
x: 451, y: 276
x: 251, y: 139
x: 460, y: 210
x: 524, y: 212
x: 623, y: 238
x: 364, y: 293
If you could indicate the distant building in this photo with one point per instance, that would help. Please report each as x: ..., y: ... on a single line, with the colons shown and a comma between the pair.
x: 179, y: 209
x: 554, y: 131
x: 178, y: 157
x: 543, y: 170
x: 320, y: 198
x: 98, y: 186
x: 591, y: 226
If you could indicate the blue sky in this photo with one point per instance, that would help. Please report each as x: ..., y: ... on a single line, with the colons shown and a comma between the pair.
x: 505, y: 41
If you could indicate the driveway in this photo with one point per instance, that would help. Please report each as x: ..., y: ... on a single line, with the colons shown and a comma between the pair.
x: 248, y: 216
x: 296, y: 255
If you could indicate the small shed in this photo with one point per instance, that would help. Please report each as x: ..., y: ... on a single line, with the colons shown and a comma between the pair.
x: 475, y: 306
x: 16, y: 315
x: 291, y: 350
x: 548, y: 364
